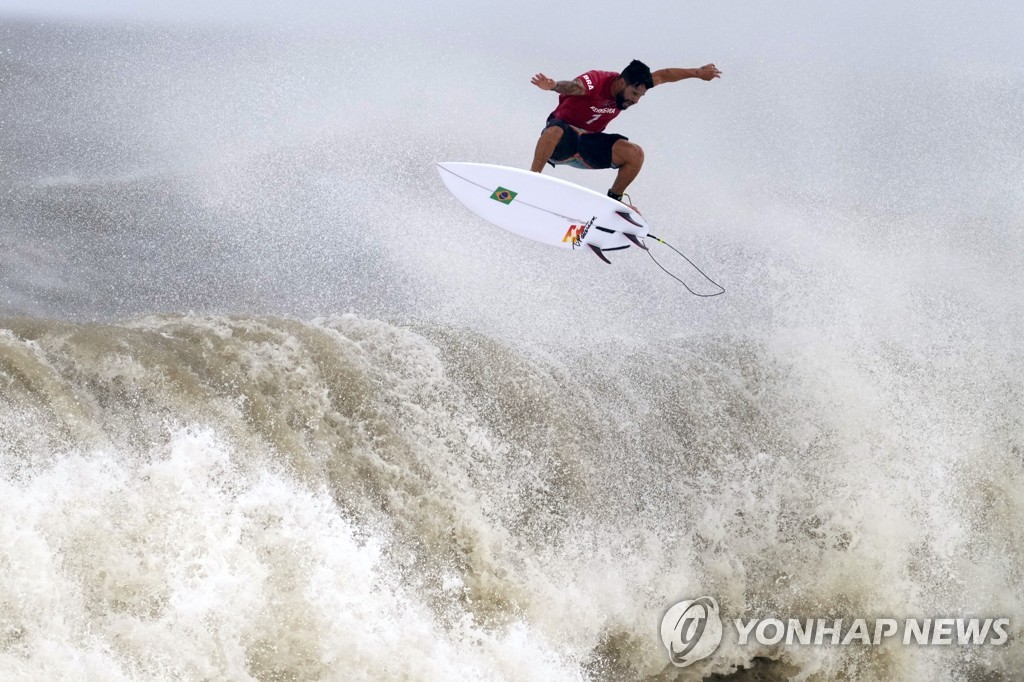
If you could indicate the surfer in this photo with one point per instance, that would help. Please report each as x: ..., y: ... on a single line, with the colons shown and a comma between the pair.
x: 574, y: 134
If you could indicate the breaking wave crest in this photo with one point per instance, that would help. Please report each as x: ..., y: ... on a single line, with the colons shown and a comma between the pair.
x: 344, y: 498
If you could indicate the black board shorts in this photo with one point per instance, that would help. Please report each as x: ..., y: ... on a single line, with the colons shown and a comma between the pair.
x: 581, y: 149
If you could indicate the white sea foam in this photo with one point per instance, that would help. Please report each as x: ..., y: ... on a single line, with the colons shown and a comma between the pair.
x: 363, y: 501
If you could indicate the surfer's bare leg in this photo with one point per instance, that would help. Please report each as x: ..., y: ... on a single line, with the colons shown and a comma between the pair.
x: 549, y: 139
x: 629, y: 158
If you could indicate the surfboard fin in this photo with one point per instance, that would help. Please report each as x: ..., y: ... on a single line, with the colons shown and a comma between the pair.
x: 627, y: 217
x: 600, y: 254
x: 636, y: 242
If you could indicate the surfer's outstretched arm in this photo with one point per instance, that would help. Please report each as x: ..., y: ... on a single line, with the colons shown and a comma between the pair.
x: 705, y: 73
x: 573, y: 87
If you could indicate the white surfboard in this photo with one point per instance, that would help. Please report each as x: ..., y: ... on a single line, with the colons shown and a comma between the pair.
x: 544, y: 208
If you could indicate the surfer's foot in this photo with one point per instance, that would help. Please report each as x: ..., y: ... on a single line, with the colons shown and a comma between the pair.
x: 618, y: 197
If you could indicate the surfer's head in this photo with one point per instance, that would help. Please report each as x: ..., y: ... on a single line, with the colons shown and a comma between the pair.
x: 636, y: 79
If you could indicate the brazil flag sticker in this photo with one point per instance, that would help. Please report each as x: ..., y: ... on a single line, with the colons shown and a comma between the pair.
x: 503, y: 195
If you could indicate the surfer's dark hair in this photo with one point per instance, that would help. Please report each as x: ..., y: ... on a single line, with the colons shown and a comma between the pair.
x: 637, y: 73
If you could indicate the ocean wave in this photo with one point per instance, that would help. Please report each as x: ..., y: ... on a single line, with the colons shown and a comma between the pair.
x: 254, y: 498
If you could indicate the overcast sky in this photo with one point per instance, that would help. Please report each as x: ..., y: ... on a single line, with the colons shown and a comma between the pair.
x: 873, y: 31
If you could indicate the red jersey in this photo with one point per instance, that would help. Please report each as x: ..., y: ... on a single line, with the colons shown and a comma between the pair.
x: 595, y: 108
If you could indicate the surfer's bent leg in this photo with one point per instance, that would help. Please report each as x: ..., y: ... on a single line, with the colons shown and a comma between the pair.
x: 629, y: 158
x: 549, y: 139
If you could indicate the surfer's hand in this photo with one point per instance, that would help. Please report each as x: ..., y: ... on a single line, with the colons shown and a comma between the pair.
x: 708, y: 72
x: 543, y: 82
